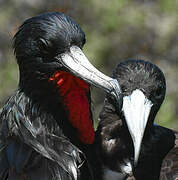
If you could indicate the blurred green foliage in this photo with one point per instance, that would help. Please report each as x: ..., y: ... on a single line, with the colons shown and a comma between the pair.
x: 115, y: 30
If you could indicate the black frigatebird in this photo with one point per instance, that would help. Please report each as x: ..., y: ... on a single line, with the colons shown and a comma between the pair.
x: 47, y: 122
x: 128, y: 142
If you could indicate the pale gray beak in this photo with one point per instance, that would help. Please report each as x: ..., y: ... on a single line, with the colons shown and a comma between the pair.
x: 136, y: 108
x: 77, y: 63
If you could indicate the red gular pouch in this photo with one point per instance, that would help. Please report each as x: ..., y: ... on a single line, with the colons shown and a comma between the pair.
x: 74, y: 93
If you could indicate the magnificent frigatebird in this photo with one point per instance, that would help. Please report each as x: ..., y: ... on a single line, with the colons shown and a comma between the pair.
x: 47, y: 122
x: 128, y: 142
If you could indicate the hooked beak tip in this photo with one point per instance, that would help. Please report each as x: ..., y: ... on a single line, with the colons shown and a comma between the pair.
x: 116, y: 92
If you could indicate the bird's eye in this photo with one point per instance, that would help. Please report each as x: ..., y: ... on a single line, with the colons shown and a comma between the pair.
x: 44, y: 50
x: 42, y: 44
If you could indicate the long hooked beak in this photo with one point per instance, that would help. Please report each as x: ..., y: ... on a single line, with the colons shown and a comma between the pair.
x: 77, y: 63
x: 136, y: 108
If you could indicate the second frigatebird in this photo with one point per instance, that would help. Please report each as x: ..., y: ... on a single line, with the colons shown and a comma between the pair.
x: 128, y: 142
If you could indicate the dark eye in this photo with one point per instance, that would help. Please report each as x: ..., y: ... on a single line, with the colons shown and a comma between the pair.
x: 42, y: 44
x: 45, y: 50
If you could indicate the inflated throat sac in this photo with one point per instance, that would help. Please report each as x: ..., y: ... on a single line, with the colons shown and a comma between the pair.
x: 74, y: 93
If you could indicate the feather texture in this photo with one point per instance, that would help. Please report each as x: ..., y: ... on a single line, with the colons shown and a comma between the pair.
x: 27, y: 132
x: 169, y: 168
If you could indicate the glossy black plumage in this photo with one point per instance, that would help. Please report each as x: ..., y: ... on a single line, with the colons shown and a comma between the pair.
x: 36, y: 139
x: 169, y: 168
x: 115, y: 143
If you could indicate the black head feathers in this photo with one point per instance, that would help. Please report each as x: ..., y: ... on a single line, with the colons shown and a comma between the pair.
x: 47, y: 35
x: 143, y: 75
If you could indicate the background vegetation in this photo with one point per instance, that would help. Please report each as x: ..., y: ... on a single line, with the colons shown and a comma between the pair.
x: 115, y: 29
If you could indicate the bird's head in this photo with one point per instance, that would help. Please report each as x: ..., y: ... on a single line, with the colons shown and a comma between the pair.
x: 143, y: 86
x: 53, y: 42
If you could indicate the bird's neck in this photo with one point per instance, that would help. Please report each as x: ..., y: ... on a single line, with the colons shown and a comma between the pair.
x: 67, y: 98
